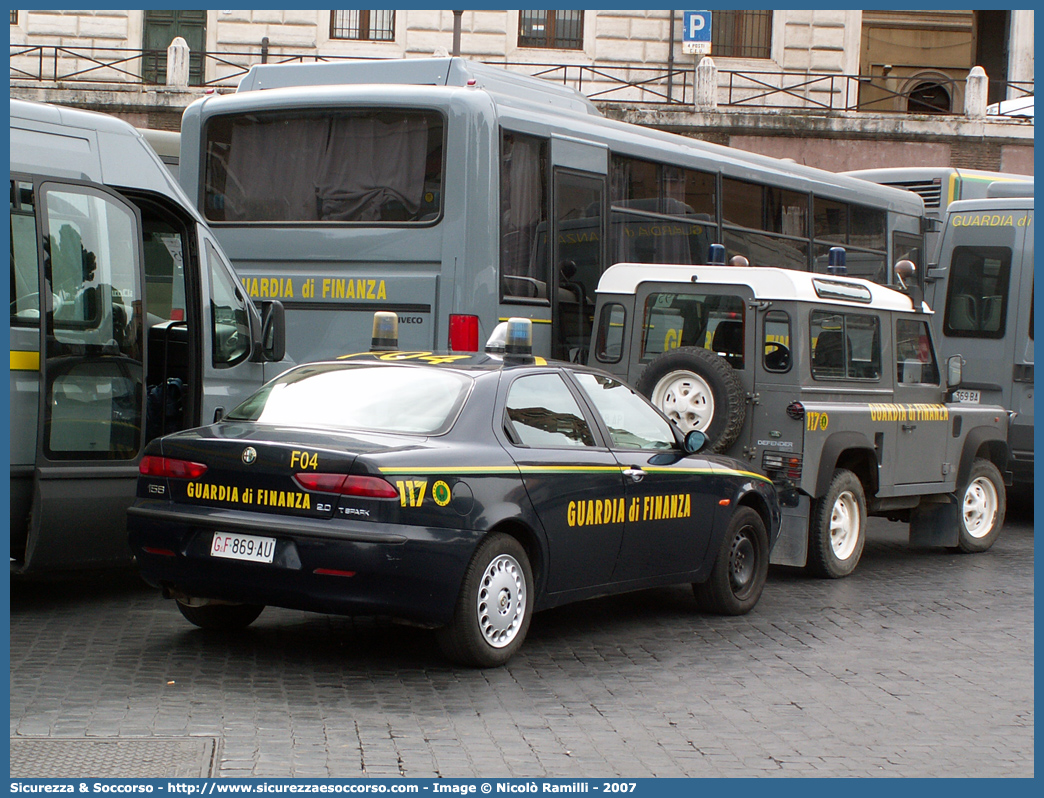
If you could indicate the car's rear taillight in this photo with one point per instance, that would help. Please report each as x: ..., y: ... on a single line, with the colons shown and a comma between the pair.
x: 151, y: 466
x: 368, y: 487
x: 463, y: 333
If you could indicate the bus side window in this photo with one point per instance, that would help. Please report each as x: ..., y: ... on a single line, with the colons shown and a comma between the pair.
x: 229, y: 317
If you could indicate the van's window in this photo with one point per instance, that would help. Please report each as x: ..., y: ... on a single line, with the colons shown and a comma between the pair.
x: 776, y: 341
x: 710, y: 321
x: 230, y: 322
x: 164, y: 269
x: 660, y: 213
x: 25, y: 267
x: 94, y: 350
x: 845, y: 345
x: 914, y: 358
x: 609, y: 339
x: 542, y: 413
x: 91, y: 259
x: 977, y: 294
x: 331, y: 165
x: 523, y: 217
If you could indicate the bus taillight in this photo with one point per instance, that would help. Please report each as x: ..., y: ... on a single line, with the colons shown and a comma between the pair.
x: 463, y: 333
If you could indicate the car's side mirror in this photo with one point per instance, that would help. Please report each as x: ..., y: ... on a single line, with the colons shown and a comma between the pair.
x: 953, y: 371
x: 273, y: 330
x: 694, y: 441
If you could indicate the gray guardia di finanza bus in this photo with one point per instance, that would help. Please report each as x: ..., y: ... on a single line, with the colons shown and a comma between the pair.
x: 458, y: 195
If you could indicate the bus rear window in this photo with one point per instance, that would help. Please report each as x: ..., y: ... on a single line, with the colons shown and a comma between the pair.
x: 365, y: 166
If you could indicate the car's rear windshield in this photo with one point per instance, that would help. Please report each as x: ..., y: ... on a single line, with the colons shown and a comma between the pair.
x: 378, y: 398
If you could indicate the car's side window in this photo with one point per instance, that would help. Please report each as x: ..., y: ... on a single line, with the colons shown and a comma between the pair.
x: 542, y: 413
x: 914, y: 358
x: 632, y: 423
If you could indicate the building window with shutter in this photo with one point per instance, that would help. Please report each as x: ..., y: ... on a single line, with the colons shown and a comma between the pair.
x: 557, y: 30
x: 373, y: 26
x: 741, y: 34
x: 14, y: 17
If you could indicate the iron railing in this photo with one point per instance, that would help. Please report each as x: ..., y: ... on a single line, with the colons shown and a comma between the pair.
x: 666, y: 86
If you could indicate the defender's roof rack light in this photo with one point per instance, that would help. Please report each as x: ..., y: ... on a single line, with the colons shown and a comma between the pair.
x: 716, y: 255
x: 836, y: 261
x: 385, y: 332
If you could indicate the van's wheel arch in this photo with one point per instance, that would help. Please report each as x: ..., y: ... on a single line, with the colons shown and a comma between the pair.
x: 697, y: 389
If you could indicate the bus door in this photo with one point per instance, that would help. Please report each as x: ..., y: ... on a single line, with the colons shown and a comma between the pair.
x: 91, y: 400
x: 579, y: 253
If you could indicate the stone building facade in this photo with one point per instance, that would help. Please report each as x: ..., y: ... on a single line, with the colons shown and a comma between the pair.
x: 798, y: 99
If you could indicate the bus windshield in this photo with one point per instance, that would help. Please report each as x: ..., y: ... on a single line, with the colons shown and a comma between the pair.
x: 370, y: 166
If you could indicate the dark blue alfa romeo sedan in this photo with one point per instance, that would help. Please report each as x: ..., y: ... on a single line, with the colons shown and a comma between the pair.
x: 462, y: 492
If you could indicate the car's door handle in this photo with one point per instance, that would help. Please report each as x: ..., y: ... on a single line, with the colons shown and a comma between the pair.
x: 635, y: 473
x: 909, y: 427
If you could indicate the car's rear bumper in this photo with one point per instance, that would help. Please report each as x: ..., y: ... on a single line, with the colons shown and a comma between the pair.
x: 341, y: 567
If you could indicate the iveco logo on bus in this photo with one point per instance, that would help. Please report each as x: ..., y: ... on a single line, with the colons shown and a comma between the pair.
x: 249, y: 455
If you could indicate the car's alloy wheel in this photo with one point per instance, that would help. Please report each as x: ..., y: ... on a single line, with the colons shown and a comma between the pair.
x: 501, y: 601
x: 494, y: 606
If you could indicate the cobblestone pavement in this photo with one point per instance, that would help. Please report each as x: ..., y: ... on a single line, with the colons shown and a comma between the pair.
x: 920, y: 664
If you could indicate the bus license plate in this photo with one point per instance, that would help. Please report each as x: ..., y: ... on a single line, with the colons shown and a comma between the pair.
x: 242, y: 547
x: 966, y: 396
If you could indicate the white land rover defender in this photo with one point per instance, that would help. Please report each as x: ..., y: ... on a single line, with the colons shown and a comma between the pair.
x: 829, y: 385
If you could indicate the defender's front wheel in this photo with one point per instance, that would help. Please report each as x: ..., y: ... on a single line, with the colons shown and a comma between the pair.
x: 494, y: 607
x: 981, y: 507
x: 837, y: 531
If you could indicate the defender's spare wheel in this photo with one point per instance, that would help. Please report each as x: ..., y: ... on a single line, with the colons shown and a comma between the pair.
x: 697, y: 389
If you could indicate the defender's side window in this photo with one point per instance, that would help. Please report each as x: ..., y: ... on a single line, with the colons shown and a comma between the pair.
x: 914, y: 358
x: 542, y: 413
x: 776, y: 331
x: 609, y: 340
x: 229, y: 318
x: 711, y: 321
x: 845, y: 345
